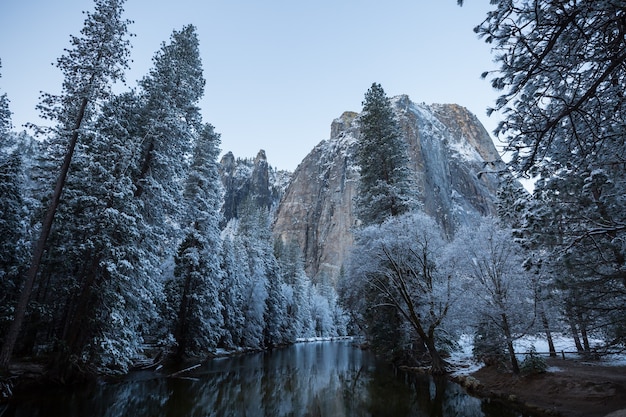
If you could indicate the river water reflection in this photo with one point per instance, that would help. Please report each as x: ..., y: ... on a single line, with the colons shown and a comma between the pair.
x: 331, y: 379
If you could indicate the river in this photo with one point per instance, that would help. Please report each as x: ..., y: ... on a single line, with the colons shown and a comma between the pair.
x: 330, y: 379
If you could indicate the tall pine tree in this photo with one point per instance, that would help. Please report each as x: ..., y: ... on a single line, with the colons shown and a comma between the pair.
x: 385, y: 184
x: 198, y: 275
x: 96, y: 59
x: 5, y: 115
x: 169, y: 122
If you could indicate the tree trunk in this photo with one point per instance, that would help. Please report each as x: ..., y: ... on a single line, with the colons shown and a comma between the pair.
x: 181, y: 325
x: 583, y: 332
x: 574, y: 330
x: 546, y: 328
x: 509, y: 344
x: 77, y: 320
x: 438, y: 365
x: 46, y: 227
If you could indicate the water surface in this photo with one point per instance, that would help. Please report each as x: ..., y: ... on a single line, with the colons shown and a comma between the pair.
x: 330, y: 379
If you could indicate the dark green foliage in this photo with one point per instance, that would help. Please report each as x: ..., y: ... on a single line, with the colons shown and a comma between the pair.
x: 97, y: 58
x: 489, y: 344
x: 385, y: 183
x: 5, y: 116
x: 13, y: 247
x: 562, y: 75
x: 533, y: 363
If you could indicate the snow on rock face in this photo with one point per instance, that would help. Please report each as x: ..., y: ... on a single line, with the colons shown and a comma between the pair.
x: 250, y: 179
x: 448, y: 149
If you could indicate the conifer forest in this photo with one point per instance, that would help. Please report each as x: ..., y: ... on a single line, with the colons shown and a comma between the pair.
x: 115, y: 249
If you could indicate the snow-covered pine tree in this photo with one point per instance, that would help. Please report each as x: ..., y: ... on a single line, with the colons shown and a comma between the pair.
x: 295, y: 285
x: 385, y: 188
x: 13, y: 248
x: 97, y: 274
x: 254, y: 233
x: 165, y: 128
x: 276, y: 329
x: 13, y: 237
x: 232, y: 292
x: 5, y: 115
x: 562, y: 77
x: 96, y: 59
x: 195, y: 288
x: 170, y: 93
x: 562, y: 74
x: 585, y: 272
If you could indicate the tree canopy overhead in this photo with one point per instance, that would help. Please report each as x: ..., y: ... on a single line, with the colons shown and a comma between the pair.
x: 562, y: 73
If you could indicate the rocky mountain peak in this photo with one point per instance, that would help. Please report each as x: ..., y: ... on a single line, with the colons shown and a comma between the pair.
x: 448, y: 149
x: 252, y: 180
x: 342, y: 124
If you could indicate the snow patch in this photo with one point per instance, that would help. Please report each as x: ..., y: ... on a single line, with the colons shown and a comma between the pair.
x: 465, y: 151
x: 463, y: 363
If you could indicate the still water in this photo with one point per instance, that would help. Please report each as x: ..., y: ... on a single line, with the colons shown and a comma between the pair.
x: 330, y: 379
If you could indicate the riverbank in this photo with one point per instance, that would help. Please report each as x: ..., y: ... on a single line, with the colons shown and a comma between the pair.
x: 569, y: 388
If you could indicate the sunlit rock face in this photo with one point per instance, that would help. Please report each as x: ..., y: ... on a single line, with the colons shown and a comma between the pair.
x: 450, y: 152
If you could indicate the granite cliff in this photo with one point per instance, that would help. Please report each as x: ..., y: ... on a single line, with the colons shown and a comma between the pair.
x: 251, y: 180
x: 449, y: 151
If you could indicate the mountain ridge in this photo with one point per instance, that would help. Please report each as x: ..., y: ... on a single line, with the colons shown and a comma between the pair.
x: 448, y: 149
x: 450, y: 153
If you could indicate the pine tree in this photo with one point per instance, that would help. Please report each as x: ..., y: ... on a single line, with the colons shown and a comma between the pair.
x: 13, y: 237
x: 97, y: 58
x: 198, y: 274
x: 232, y: 293
x: 11, y: 214
x: 254, y: 233
x: 384, y: 187
x: 170, y: 93
x: 5, y: 115
x: 107, y: 287
x: 169, y: 122
x: 296, y: 283
x: 276, y: 325
x: 562, y: 76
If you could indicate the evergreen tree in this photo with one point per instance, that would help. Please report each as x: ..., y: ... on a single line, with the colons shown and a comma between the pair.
x: 13, y: 237
x: 232, y: 293
x: 384, y: 187
x: 5, y: 115
x: 96, y: 253
x: 296, y: 286
x: 198, y: 275
x: 168, y: 123
x: 562, y: 76
x: 586, y: 267
x: 170, y: 93
x: 97, y: 58
x: 11, y: 215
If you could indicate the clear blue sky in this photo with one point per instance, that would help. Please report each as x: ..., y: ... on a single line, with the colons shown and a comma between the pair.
x: 278, y: 72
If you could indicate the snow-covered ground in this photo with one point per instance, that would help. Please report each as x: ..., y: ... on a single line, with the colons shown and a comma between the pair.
x: 464, y: 364
x: 323, y: 339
